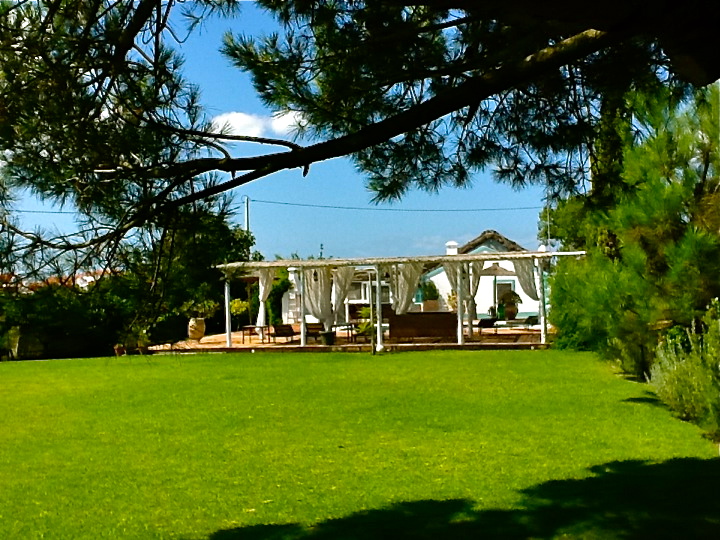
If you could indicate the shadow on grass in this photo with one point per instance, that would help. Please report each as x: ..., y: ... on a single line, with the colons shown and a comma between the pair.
x: 648, y: 399
x: 679, y: 498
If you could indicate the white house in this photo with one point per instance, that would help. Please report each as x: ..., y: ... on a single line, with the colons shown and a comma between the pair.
x: 496, y: 277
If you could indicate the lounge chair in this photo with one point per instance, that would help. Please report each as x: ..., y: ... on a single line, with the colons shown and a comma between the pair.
x: 283, y: 330
x: 487, y: 323
x: 314, y: 330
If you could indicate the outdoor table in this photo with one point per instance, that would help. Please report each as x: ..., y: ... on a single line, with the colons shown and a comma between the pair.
x: 348, y: 327
x: 253, y: 328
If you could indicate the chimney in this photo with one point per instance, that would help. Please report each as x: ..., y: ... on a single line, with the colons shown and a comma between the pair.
x: 451, y: 248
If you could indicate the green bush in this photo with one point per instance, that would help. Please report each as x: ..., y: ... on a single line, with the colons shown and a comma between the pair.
x: 653, y: 244
x: 366, y: 327
x: 686, y: 373
x: 64, y: 321
x: 602, y: 305
x: 274, y: 302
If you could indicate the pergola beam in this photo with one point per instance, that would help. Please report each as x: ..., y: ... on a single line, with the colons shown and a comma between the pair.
x: 375, y: 261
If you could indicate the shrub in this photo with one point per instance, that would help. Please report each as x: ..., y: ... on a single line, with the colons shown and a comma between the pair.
x: 602, y: 305
x: 367, y: 324
x: 274, y: 302
x: 686, y: 373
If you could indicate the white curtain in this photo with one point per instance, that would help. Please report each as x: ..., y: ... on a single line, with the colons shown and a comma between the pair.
x: 471, y: 282
x: 451, y: 271
x: 318, y: 294
x: 342, y: 280
x: 524, y: 268
x: 471, y: 288
x: 403, y: 284
x: 266, y: 276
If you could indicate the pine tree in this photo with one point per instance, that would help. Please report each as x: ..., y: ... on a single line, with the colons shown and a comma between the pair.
x: 663, y: 266
x: 95, y: 114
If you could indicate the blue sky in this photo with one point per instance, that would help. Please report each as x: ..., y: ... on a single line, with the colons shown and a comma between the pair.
x: 375, y: 230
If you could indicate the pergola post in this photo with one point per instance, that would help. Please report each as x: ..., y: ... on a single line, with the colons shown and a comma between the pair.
x: 303, y: 335
x: 540, y: 284
x: 228, y: 315
x: 379, y: 347
x: 471, y: 302
x: 460, y: 299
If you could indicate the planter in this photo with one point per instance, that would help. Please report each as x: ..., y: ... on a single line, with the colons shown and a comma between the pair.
x: 196, y: 328
x: 511, y: 311
x: 328, y: 338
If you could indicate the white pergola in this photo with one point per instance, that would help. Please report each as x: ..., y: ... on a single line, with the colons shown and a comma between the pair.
x: 371, y: 265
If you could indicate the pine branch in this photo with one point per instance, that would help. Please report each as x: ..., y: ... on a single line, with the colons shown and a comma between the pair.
x: 450, y: 100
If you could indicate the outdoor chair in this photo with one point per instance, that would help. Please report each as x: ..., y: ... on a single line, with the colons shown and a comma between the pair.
x: 487, y: 323
x: 314, y: 330
x: 283, y: 330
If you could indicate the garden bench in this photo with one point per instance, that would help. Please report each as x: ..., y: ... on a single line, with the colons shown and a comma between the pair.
x: 283, y: 330
x: 437, y: 324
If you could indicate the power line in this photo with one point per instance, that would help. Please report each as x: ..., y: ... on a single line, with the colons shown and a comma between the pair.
x: 333, y: 207
x: 366, y: 209
x: 42, y: 212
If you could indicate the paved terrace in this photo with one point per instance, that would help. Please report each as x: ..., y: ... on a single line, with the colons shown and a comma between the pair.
x: 485, y: 338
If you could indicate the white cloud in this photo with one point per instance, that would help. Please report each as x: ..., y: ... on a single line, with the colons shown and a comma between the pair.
x: 237, y: 123
x: 251, y: 125
x: 285, y: 123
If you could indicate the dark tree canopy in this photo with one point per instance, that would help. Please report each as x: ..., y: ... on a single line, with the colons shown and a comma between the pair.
x: 94, y: 111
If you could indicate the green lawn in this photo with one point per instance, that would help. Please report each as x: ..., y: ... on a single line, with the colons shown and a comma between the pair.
x: 323, y: 446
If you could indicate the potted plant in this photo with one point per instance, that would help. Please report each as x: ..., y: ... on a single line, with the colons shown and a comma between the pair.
x: 430, y: 296
x: 198, y: 311
x: 508, y: 303
x: 328, y: 337
x: 365, y: 326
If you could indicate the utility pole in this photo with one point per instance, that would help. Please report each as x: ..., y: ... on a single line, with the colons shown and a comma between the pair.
x: 247, y: 212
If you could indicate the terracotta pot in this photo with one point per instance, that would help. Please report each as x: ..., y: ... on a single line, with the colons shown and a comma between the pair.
x: 196, y: 328
x: 511, y: 311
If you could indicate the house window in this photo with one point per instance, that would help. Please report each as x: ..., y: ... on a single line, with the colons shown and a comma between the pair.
x: 356, y: 292
x: 384, y: 294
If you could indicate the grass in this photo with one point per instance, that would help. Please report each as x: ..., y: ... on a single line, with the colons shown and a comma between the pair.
x: 411, y: 445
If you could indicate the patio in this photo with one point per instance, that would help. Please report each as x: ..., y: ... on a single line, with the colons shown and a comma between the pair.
x: 510, y: 337
x: 320, y: 279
